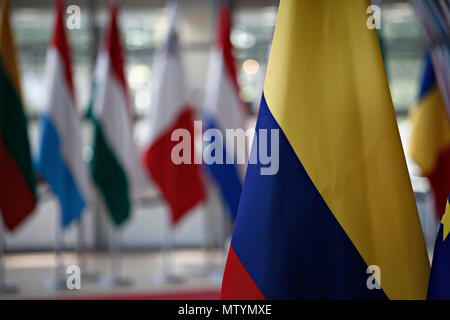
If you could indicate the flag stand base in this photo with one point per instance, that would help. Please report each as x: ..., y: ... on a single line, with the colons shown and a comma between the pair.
x: 8, y: 288
x: 114, y: 279
x: 111, y: 282
x: 210, y: 268
x: 91, y: 277
x: 59, y: 281
x: 88, y: 276
x: 52, y: 285
x: 168, y: 275
x: 4, y: 287
x: 166, y: 279
x: 214, y: 257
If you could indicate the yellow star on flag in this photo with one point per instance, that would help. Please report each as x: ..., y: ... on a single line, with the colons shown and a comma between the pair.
x: 446, y: 221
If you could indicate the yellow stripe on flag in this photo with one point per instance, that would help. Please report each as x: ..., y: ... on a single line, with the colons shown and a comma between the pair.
x: 431, y: 131
x: 8, y: 49
x: 326, y: 87
x: 446, y: 221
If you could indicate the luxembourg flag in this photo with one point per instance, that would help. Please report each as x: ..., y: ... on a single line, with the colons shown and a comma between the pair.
x: 115, y: 165
x: 224, y: 109
x: 180, y: 183
x: 60, y: 162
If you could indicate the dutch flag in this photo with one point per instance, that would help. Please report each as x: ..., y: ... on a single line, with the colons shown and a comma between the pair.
x: 60, y: 162
x: 224, y: 110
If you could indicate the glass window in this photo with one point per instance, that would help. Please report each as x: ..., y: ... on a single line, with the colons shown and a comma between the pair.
x: 403, y: 52
x: 251, y: 36
x: 32, y: 32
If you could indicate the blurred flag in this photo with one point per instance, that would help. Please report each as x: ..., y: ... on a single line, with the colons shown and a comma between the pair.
x: 224, y: 109
x: 430, y: 138
x: 60, y: 161
x: 341, y: 205
x: 180, y: 183
x: 17, y: 180
x: 439, y: 286
x: 115, y: 156
x: 434, y: 17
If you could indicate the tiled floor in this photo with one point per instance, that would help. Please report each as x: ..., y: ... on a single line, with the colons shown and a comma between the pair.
x: 199, y: 271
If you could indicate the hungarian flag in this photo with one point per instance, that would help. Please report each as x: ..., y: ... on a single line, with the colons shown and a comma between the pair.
x: 60, y: 161
x: 430, y: 138
x: 115, y: 156
x: 178, y: 179
x: 17, y: 180
x: 224, y: 110
x: 339, y: 219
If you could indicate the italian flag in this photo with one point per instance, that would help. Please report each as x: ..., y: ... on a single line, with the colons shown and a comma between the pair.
x: 180, y: 183
x: 17, y: 181
x: 115, y: 158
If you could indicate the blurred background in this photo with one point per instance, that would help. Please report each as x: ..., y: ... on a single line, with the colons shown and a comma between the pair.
x: 200, y: 238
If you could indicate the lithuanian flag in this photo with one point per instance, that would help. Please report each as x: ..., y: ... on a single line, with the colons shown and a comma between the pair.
x: 17, y: 181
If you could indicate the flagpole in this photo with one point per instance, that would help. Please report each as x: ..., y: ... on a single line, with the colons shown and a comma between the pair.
x: 115, y: 279
x: 208, y: 225
x: 59, y: 280
x: 80, y: 245
x: 4, y: 287
x: 213, y: 268
x: 209, y: 228
x: 226, y: 240
x: 59, y: 254
x: 81, y: 248
x: 223, y: 225
x: 81, y: 253
x: 223, y: 230
x: 167, y: 245
x: 114, y: 247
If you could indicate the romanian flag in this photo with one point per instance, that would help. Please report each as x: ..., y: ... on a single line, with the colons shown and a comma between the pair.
x: 341, y: 204
x: 439, y: 286
x: 430, y: 138
x: 17, y: 181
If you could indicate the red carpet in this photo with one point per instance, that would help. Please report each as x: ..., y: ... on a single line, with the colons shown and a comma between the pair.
x: 181, y: 295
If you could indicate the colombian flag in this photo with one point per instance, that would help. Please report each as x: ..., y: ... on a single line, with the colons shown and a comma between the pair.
x: 430, y: 138
x: 439, y: 287
x: 342, y: 199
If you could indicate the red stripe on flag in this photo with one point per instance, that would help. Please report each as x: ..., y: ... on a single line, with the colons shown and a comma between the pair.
x: 181, y: 185
x: 16, y: 199
x: 223, y: 41
x: 114, y: 48
x: 59, y: 40
x: 237, y: 283
x: 440, y: 182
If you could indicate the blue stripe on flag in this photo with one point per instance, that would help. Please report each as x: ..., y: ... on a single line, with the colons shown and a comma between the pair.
x: 53, y: 168
x: 287, y: 238
x: 227, y: 179
x: 439, y: 285
x: 428, y: 78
